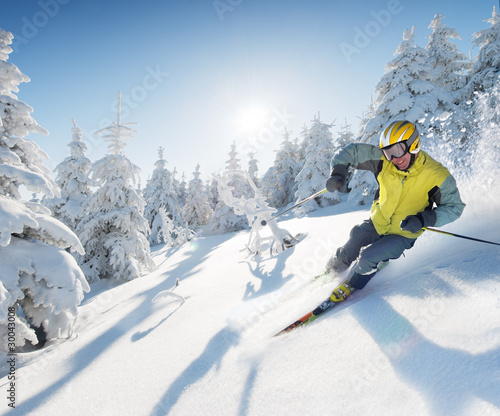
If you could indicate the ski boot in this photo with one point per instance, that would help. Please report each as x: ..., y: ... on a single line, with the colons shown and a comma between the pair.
x: 341, y: 292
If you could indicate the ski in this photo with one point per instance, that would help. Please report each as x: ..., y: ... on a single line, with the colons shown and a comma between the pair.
x: 311, y: 316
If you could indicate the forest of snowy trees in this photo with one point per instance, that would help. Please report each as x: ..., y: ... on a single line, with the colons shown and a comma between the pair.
x: 92, y: 222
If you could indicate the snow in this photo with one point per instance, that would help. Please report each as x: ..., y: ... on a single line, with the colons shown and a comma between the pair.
x: 195, y: 334
x: 423, y: 338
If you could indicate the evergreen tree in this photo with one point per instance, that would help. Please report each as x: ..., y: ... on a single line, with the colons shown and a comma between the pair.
x: 365, y: 118
x: 316, y: 169
x: 268, y: 186
x: 224, y: 219
x: 406, y: 93
x: 482, y: 77
x: 345, y: 136
x: 213, y: 193
x: 302, y: 147
x: 300, y: 155
x: 182, y: 190
x: 362, y: 186
x: 41, y: 284
x: 197, y: 210
x: 278, y: 184
x: 449, y: 65
x: 161, y: 193
x: 179, y: 190
x: 484, y: 72
x: 483, y: 150
x: 253, y: 168
x: 233, y: 163
x: 114, y: 231
x: 74, y: 182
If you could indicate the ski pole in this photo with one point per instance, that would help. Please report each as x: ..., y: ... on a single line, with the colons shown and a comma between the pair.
x: 264, y: 222
x: 458, y: 235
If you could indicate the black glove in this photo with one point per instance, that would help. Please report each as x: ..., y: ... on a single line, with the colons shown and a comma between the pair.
x: 335, y: 183
x: 414, y: 223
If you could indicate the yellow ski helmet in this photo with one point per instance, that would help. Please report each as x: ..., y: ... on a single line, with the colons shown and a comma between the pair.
x: 403, y: 132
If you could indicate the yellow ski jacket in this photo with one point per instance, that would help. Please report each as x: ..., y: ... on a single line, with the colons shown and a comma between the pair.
x: 426, y: 185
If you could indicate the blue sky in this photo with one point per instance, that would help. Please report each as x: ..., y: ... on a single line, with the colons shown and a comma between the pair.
x: 197, y: 75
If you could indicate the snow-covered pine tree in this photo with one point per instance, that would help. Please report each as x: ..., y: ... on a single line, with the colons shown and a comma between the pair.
x: 316, y: 169
x: 483, y: 147
x: 405, y: 92
x: 482, y: 77
x: 300, y: 155
x: 484, y: 72
x: 233, y: 163
x: 302, y: 147
x: 345, y: 136
x: 165, y: 227
x: 365, y: 118
x: 449, y: 64
x: 253, y: 168
x: 178, y: 190
x: 268, y: 186
x: 224, y: 219
x: 161, y: 193
x: 449, y: 67
x: 278, y: 184
x: 114, y: 231
x: 182, y: 190
x: 41, y: 284
x: 213, y: 193
x: 74, y: 182
x: 197, y: 210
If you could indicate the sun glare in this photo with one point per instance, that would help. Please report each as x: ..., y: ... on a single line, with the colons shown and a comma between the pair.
x: 251, y: 118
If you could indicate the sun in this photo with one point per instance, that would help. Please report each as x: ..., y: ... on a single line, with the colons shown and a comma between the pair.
x: 252, y: 118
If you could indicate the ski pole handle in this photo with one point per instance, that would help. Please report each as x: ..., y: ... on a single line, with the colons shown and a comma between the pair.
x: 264, y: 222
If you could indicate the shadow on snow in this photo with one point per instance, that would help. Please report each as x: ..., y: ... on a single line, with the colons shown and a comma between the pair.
x: 447, y: 378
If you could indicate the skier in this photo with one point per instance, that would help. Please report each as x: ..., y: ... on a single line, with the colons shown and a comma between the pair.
x: 415, y: 191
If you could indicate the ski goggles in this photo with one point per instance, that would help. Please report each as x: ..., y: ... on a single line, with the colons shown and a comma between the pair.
x: 396, y: 150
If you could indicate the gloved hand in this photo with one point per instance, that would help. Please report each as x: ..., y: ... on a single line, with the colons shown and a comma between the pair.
x: 412, y: 223
x: 335, y: 183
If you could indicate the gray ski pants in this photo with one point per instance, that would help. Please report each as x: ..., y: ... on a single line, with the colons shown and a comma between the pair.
x: 369, y: 249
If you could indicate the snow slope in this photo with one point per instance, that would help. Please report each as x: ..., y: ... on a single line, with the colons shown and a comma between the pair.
x: 423, y: 338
